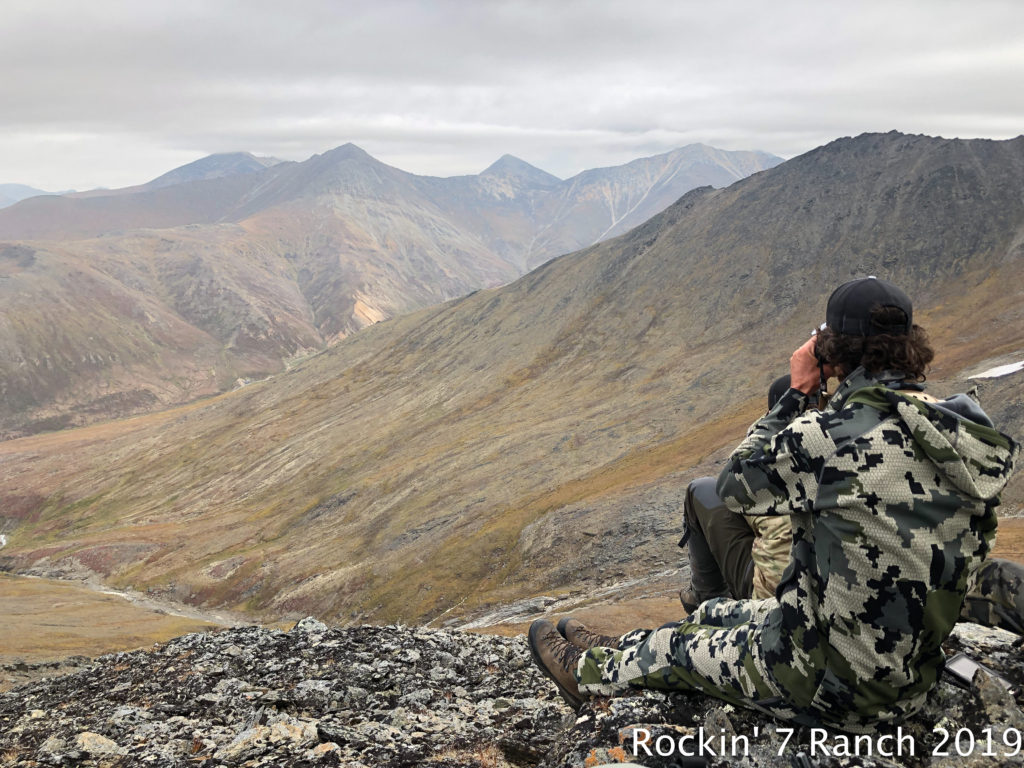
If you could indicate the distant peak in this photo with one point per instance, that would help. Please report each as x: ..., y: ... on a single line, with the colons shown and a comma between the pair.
x: 510, y: 166
x: 507, y: 163
x: 230, y: 156
x: 213, y: 167
x: 242, y: 158
x: 348, y: 151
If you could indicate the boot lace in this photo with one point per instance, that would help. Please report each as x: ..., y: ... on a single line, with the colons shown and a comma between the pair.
x: 565, y: 653
x: 583, y: 637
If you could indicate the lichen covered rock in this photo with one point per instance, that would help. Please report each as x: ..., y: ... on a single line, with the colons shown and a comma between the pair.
x: 398, y: 696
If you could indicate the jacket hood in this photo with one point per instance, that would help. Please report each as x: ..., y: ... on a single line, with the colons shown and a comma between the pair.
x: 955, y: 434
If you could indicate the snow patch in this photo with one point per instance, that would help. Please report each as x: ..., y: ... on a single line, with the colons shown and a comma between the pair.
x: 1002, y: 370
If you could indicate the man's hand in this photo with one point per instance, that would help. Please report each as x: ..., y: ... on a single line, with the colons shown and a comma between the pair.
x: 803, y: 369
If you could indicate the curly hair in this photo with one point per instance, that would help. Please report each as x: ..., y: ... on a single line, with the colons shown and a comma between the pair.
x: 908, y: 353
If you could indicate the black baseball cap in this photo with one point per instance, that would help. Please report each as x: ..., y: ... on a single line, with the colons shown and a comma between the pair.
x: 849, y: 307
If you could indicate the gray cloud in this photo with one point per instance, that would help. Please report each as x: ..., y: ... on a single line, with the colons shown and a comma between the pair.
x: 115, y: 92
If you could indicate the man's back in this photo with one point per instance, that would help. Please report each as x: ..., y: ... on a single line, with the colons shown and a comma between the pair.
x: 892, y: 504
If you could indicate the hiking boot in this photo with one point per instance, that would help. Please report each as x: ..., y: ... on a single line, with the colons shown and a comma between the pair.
x: 577, y: 633
x: 557, y: 658
x: 689, y: 600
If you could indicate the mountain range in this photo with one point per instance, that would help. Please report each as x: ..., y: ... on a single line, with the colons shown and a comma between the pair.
x: 116, y: 302
x: 535, y: 438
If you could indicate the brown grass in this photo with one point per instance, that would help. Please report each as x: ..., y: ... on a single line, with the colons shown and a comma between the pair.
x: 48, y: 620
x: 484, y: 565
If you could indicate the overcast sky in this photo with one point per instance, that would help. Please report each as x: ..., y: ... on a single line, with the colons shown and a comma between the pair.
x: 116, y: 92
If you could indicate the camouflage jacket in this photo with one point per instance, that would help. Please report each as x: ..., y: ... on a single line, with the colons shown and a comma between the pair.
x: 892, y: 503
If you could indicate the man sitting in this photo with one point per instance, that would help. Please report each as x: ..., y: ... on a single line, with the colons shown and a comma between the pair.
x: 892, y: 503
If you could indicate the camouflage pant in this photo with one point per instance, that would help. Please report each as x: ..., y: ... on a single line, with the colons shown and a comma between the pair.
x: 995, y: 596
x: 709, y: 652
x: 714, y: 651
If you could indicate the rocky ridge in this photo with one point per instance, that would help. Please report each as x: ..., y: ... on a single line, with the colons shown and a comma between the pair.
x: 407, y: 696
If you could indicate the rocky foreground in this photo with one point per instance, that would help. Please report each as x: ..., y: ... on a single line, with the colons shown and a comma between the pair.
x: 401, y: 696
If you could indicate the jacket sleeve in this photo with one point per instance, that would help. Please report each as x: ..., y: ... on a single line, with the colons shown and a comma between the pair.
x: 761, y: 475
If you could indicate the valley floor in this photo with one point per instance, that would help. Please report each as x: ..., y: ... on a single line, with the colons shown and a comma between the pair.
x: 48, y: 623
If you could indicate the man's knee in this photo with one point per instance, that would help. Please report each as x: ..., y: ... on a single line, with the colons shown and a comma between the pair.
x: 702, y: 499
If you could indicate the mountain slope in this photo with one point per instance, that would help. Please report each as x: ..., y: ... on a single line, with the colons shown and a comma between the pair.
x: 529, y: 437
x: 614, y: 200
x: 93, y: 214
x: 253, y: 268
x: 154, y: 321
